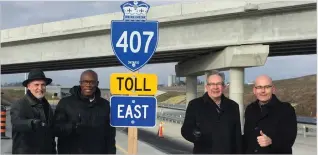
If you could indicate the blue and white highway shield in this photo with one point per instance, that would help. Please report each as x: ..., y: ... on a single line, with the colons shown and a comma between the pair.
x: 134, y: 42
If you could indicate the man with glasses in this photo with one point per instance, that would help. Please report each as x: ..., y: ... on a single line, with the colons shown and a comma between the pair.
x: 82, y: 122
x: 212, y: 121
x: 270, y: 125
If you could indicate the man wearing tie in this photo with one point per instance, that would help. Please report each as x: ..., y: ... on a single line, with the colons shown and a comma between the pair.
x: 212, y: 122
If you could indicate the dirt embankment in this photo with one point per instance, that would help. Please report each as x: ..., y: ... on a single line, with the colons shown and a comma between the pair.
x: 300, y: 91
x: 11, y: 95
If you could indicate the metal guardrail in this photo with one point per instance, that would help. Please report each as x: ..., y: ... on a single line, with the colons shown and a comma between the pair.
x: 170, y: 107
x: 306, y: 125
x: 170, y: 118
x: 307, y: 120
x: 306, y: 130
x: 300, y: 119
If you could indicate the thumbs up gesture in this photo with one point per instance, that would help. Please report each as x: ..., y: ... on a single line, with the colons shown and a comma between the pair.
x: 264, y: 140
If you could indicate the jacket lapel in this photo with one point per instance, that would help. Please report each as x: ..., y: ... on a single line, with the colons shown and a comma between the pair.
x: 50, y: 112
x: 266, y: 109
x: 217, y: 111
x: 30, y: 101
x: 40, y: 107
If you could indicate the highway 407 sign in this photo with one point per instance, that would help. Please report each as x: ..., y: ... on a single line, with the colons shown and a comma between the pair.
x: 134, y: 39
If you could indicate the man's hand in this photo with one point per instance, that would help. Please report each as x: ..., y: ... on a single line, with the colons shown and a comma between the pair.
x: 264, y: 140
x: 80, y: 127
x: 37, y: 124
x: 197, y: 134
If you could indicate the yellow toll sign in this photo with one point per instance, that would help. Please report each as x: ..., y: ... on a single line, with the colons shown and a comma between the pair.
x: 133, y: 84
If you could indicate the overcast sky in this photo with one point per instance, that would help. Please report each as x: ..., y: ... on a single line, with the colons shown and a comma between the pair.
x: 16, y: 14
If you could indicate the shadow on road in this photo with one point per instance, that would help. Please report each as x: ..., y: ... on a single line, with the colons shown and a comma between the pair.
x: 166, y: 145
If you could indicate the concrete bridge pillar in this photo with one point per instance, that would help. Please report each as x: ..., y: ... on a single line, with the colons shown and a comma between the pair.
x: 170, y: 81
x: 234, y: 58
x: 205, y: 82
x: 236, y: 91
x: 191, y: 88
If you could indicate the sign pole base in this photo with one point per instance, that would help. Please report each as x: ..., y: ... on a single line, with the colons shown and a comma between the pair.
x: 132, y: 140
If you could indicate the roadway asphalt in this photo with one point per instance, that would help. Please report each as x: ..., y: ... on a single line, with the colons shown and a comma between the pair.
x: 165, y: 145
x: 303, y: 145
x: 148, y: 142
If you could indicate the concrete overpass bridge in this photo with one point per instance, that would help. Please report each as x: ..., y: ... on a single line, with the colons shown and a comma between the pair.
x: 210, y: 35
x: 186, y: 31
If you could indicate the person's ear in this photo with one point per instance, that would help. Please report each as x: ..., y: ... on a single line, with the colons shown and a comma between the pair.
x: 254, y: 90
x: 273, y: 89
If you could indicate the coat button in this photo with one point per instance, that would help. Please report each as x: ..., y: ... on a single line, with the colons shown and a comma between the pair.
x: 256, y: 128
x: 255, y: 150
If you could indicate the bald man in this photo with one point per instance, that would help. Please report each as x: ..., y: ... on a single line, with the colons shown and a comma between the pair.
x: 270, y: 124
x: 82, y: 122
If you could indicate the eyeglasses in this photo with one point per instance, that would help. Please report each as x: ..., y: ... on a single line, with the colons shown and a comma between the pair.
x: 87, y: 82
x: 215, y: 84
x: 263, y: 87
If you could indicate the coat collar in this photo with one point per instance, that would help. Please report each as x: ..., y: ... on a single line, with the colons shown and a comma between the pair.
x: 32, y: 100
x: 76, y: 91
x: 273, y: 102
x: 207, y: 99
x: 265, y: 109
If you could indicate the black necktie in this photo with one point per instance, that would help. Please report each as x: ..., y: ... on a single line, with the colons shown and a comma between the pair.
x: 218, y: 108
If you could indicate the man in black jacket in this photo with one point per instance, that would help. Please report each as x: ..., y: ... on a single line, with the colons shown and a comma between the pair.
x: 212, y: 122
x: 31, y: 118
x: 270, y: 125
x: 82, y: 122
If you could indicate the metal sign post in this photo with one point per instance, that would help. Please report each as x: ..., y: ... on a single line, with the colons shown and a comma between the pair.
x: 134, y: 41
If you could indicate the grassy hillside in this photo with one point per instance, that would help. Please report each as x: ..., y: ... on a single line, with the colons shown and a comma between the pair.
x: 166, y: 96
x: 300, y: 91
x: 12, y: 95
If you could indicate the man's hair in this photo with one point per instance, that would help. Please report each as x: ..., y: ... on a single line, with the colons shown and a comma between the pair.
x: 90, y: 71
x: 215, y: 73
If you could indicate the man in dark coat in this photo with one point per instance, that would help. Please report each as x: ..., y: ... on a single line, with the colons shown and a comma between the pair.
x: 212, y: 122
x: 31, y: 118
x: 82, y: 122
x: 270, y: 125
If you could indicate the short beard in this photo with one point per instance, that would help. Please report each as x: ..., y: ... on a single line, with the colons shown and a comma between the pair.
x: 39, y: 97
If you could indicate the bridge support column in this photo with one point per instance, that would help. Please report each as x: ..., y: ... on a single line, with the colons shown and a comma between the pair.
x: 170, y: 81
x: 205, y: 77
x: 234, y: 58
x: 191, y: 88
x: 236, y: 91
